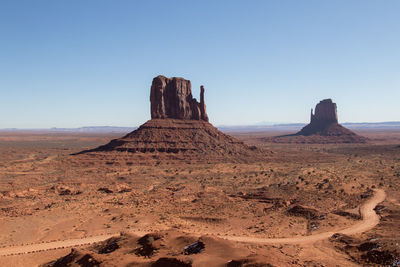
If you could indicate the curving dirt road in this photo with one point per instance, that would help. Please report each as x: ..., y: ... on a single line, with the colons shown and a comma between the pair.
x: 369, y: 220
x: 15, y: 250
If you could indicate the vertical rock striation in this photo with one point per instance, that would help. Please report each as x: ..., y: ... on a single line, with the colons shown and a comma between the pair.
x: 325, y: 112
x: 172, y: 98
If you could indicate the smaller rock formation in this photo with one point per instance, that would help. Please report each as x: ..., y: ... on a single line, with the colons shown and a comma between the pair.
x: 322, y: 129
x: 203, y: 112
x: 172, y: 98
x: 324, y: 123
x: 324, y: 116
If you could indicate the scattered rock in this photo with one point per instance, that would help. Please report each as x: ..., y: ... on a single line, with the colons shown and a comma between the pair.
x: 109, y: 246
x: 105, y: 190
x: 366, y: 246
x: 247, y: 262
x: 367, y: 252
x: 74, y: 258
x: 342, y: 238
x: 63, y: 190
x: 367, y: 194
x: 172, y: 262
x: 384, y: 257
x: 379, y: 209
x: 125, y: 190
x: 347, y: 214
x: 194, y: 248
x: 214, y: 220
x: 308, y: 213
x: 150, y: 244
x: 312, y: 226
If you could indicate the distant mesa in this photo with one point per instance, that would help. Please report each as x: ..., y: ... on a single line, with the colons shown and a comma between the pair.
x: 323, y: 128
x: 325, y: 123
x: 179, y: 129
x: 325, y: 116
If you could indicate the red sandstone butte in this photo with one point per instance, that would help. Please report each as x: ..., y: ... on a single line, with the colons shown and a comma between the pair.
x: 172, y: 98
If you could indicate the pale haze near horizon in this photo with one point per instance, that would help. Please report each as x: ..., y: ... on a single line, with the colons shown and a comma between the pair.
x: 88, y: 63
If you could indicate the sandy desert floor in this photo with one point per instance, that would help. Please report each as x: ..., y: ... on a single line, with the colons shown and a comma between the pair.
x: 244, y: 213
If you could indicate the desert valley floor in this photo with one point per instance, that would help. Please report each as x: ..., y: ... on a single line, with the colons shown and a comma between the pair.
x: 290, y: 209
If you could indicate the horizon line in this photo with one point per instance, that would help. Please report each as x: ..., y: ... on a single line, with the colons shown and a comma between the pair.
x: 260, y: 124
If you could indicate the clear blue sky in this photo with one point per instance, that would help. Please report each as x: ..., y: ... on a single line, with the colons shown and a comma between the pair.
x: 78, y: 63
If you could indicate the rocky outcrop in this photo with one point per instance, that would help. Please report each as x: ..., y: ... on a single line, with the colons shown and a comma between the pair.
x: 324, y: 116
x: 179, y: 130
x: 325, y: 112
x: 322, y: 129
x: 203, y: 111
x: 324, y: 122
x: 172, y: 98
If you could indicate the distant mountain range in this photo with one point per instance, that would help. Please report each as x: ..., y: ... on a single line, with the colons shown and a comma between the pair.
x: 391, y: 125
x: 86, y: 129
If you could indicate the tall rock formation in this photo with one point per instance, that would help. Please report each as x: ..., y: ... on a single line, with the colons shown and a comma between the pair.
x: 325, y: 115
x: 172, y: 98
x: 178, y: 130
x: 203, y: 111
x: 325, y: 112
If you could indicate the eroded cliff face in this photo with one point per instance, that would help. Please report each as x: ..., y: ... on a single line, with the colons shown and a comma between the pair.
x: 325, y: 112
x: 179, y: 130
x: 172, y: 98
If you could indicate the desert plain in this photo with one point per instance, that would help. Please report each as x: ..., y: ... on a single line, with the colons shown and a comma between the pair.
x: 300, y: 205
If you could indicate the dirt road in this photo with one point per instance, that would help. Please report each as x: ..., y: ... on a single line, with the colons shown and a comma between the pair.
x: 369, y: 220
x: 14, y: 250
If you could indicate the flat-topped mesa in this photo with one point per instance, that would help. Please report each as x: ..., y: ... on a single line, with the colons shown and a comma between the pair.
x: 171, y: 98
x: 325, y: 112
